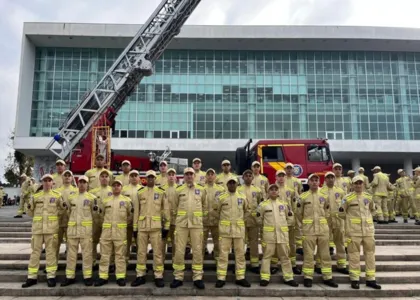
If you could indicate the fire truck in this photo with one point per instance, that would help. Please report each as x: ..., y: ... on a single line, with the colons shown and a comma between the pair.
x: 87, y: 130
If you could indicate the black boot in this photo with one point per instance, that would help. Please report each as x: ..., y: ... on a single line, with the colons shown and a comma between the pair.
x: 199, y: 284
x: 330, y: 283
x: 343, y: 271
x: 68, y: 281
x: 29, y: 283
x: 151, y: 251
x: 121, y: 282
x: 134, y: 249
x: 159, y: 282
x: 417, y: 223
x: 331, y: 251
x: 299, y: 251
x: 318, y: 270
x: 274, y: 270
x: 292, y: 283
x: 405, y: 221
x: 355, y: 285
x: 307, y: 282
x: 255, y: 270
x: 169, y: 250
x: 219, y: 284
x: 88, y: 281
x: 101, y: 282
x: 297, y: 271
x: 264, y: 282
x: 176, y: 283
x: 51, y: 282
x: 17, y: 216
x: 243, y: 283
x: 373, y: 285
x: 139, y: 281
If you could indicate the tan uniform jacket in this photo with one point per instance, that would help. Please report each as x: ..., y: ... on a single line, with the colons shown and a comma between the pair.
x: 124, y: 178
x: 117, y: 213
x: 342, y: 183
x: 260, y: 181
x: 170, y: 191
x: 335, y: 196
x: 200, y: 177
x: 26, y: 189
x: 366, y: 181
x: 380, y: 184
x: 232, y: 208
x: 190, y: 206
x: 131, y: 191
x: 288, y: 195
x: 161, y: 179
x: 254, y: 198
x: 93, y: 175
x: 212, y: 192
x: 222, y: 179
x: 404, y: 186
x: 416, y: 186
x: 58, y: 180
x: 80, y: 207
x: 66, y: 192
x: 294, y: 183
x: 313, y: 213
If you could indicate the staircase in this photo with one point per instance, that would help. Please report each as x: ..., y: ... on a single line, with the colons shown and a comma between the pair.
x: 397, y: 265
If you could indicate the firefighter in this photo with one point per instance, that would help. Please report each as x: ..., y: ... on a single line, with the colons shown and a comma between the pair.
x: 231, y: 207
x: 350, y: 176
x: 225, y: 175
x: 260, y: 181
x: 313, y: 212
x: 340, y: 181
x: 288, y: 195
x: 80, y: 206
x: 125, y: 176
x: 357, y: 209
x: 211, y: 221
x: 200, y: 176
x: 66, y: 190
x: 294, y: 183
x: 170, y: 190
x: 276, y: 217
x: 152, y: 221
x: 131, y: 191
x: 190, y: 206
x: 102, y: 192
x: 116, y: 214
x: 44, y: 207
x: 94, y: 174
x: 254, y: 198
x: 365, y: 178
x: 336, y: 224
x: 403, y: 193
x: 392, y: 198
x: 380, y: 187
x: 162, y: 178
x: 60, y: 166
x: 25, y: 194
x: 416, y: 195
x: 2, y: 194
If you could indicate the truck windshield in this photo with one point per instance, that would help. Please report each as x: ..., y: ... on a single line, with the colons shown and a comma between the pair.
x: 318, y: 153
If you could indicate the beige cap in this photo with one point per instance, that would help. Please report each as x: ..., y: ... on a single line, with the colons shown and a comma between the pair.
x: 280, y: 172
x: 225, y: 162
x: 23, y: 176
x: 68, y: 171
x: 329, y: 174
x: 172, y: 170
x: 163, y: 162
x: 60, y: 161
x: 400, y: 171
x: 357, y: 178
x: 416, y: 169
x: 255, y: 163
x: 376, y: 168
x: 104, y: 171
x: 189, y: 170
x: 247, y: 171
x: 151, y: 173
x: 134, y: 172
x: 313, y: 175
x: 232, y: 178
x: 46, y: 176
x: 126, y: 162
x: 289, y: 164
x: 210, y: 170
x: 117, y: 181
x: 100, y: 155
x: 350, y: 172
x: 337, y: 165
x: 85, y: 178
x: 273, y: 185
x: 196, y: 159
x: 361, y: 169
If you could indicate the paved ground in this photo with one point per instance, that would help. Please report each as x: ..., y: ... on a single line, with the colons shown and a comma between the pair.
x: 195, y: 298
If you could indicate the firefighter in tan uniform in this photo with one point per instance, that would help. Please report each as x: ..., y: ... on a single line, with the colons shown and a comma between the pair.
x: 200, y: 176
x: 2, y: 194
x: 44, y: 207
x: 287, y: 195
x: 380, y: 187
x: 276, y: 217
x: 313, y: 212
x: 211, y: 221
x: 336, y: 224
x: 259, y: 180
x: 60, y: 166
x: 152, y: 221
x: 357, y: 209
x: 416, y: 195
x: 340, y: 181
x: 125, y: 176
x: 170, y: 190
x: 350, y: 176
x: 392, y: 198
x: 102, y: 192
x: 94, y: 174
x: 66, y: 190
x: 190, y: 206
x: 254, y: 198
x: 25, y: 194
x: 131, y: 191
x: 366, y: 182
x: 117, y: 212
x: 80, y: 206
x: 232, y: 207
x: 225, y: 175
x: 404, y: 193
x: 162, y: 178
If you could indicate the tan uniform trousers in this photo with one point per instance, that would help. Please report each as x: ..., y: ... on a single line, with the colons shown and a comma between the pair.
x: 353, y: 250
x: 50, y: 241
x: 225, y: 244
x: 337, y: 240
x: 298, y: 234
x: 292, y: 246
x: 109, y: 247
x: 96, y: 235
x: 415, y: 208
x: 253, y: 237
x: 282, y: 251
x: 404, y: 202
x: 381, y: 203
x: 391, y: 208
x: 72, y: 250
x: 62, y: 234
x: 181, y: 238
x: 169, y: 241
x: 155, y: 238
x: 130, y: 242
x: 23, y: 203
x: 321, y: 242
x: 214, y: 230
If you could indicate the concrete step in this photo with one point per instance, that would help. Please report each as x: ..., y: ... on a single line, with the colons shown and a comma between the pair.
x: 397, y: 231
x: 15, y: 229
x: 378, y: 237
x: 275, y: 289
x: 397, y: 242
x: 16, y: 223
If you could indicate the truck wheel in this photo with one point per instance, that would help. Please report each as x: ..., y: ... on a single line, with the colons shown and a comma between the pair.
x: 241, y: 160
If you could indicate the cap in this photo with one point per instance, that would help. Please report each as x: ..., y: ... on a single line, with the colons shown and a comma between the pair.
x: 357, y: 178
x: 247, y: 171
x: 134, y: 172
x: 196, y: 159
x: 68, y: 171
x: 85, y: 178
x: 361, y: 169
x: 376, y: 168
x: 1, y: 187
x: 280, y: 172
x: 100, y: 155
x: 337, y: 165
x: 255, y: 163
x: 273, y: 185
x: 350, y: 172
x: 151, y: 173
x: 163, y: 162
x: 172, y: 170
x: 329, y: 174
x: 189, y: 170
x: 232, y: 178
x: 60, y: 161
x: 313, y: 175
x: 23, y: 175
x: 416, y: 169
x: 210, y: 170
x: 104, y: 171
x: 46, y: 176
x: 225, y: 162
x: 289, y: 164
x: 117, y: 181
x: 400, y: 171
x: 126, y: 162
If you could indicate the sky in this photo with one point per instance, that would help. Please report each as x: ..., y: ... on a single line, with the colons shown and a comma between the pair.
x: 13, y: 13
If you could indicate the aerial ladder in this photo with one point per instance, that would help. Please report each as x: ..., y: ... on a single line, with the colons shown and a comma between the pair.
x: 99, y: 107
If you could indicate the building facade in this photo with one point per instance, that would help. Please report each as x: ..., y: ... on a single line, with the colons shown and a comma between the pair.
x: 217, y: 86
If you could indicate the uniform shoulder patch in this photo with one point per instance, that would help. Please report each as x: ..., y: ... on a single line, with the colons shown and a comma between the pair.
x: 367, y: 195
x: 200, y: 186
x: 180, y: 188
x: 95, y: 190
x: 161, y: 188
x: 38, y: 194
x: 56, y: 193
x: 90, y: 196
x: 339, y: 190
x: 304, y: 195
x: 257, y: 189
x: 264, y: 203
x: 223, y: 196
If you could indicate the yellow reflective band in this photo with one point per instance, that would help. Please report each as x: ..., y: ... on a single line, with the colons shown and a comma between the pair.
x: 70, y: 272
x: 167, y: 224
x: 263, y: 244
x: 135, y: 226
x: 141, y: 267
x: 198, y: 214
x: 141, y: 218
x: 308, y: 271
x: 254, y: 259
x: 206, y: 213
x: 221, y: 272
x: 274, y: 260
x: 181, y: 213
x: 50, y: 269
x: 122, y: 225
x: 240, y: 272
x: 268, y: 228
x: 71, y: 224
x: 331, y: 244
x: 178, y: 267
x: 254, y: 214
x: 326, y: 270
x: 370, y: 273
x: 348, y: 241
x: 323, y: 221
x: 288, y: 276
x: 86, y: 223
x: 120, y: 275
x: 125, y: 242
x: 369, y: 221
x: 293, y: 259
x: 156, y: 218
x: 341, y: 261
x: 224, y: 222
x: 87, y: 272
x: 159, y: 268
x: 32, y: 271
x: 355, y: 221
x: 240, y: 223
x: 307, y: 221
x: 284, y: 229
x: 355, y: 272
x: 106, y: 225
x: 53, y: 218
x: 37, y: 218
x: 103, y: 276
x: 265, y: 276
x: 197, y: 267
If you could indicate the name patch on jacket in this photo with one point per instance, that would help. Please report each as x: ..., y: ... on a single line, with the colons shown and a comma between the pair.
x: 281, y: 207
x: 366, y: 201
x: 156, y: 196
x: 254, y: 194
x: 52, y: 200
x: 86, y: 202
x: 337, y: 195
x: 197, y: 192
x: 109, y: 193
x: 217, y: 193
x: 321, y: 200
x: 122, y: 203
x: 262, y: 182
x: 240, y: 201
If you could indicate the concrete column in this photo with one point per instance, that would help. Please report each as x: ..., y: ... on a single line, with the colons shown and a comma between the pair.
x: 150, y: 99
x: 252, y: 113
x: 403, y: 92
x: 303, y: 104
x: 353, y: 100
x: 355, y: 164
x: 42, y: 80
x: 408, y: 166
